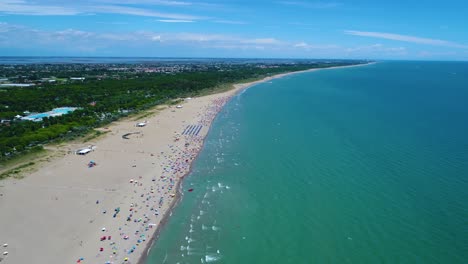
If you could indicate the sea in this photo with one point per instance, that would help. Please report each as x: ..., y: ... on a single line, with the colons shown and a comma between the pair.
x: 354, y: 165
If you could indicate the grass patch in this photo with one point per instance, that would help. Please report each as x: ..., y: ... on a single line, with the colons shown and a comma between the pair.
x: 94, y: 135
x: 146, y: 114
x: 16, y: 171
x: 24, y: 157
x: 175, y: 101
x: 17, y: 166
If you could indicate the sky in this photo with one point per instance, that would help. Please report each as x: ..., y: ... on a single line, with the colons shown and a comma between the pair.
x: 342, y: 29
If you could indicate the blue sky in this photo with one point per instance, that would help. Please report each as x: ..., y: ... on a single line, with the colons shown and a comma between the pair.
x: 364, y: 29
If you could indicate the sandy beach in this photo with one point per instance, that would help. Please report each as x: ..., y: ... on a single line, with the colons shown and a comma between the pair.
x: 106, y: 206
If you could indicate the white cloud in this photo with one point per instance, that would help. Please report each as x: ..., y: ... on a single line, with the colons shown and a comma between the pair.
x: 183, y: 4
x: 73, y: 33
x: 306, y: 46
x: 124, y: 10
x: 301, y: 45
x: 20, y: 7
x: 372, y: 47
x: 262, y: 41
x: 21, y: 36
x: 26, y: 7
x: 406, y: 38
x: 376, y: 50
x: 196, y: 37
x: 73, y: 41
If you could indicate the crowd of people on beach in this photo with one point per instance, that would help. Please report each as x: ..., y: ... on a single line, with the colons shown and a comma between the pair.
x: 142, y: 214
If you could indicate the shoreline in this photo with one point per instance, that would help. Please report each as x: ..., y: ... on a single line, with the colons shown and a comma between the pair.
x: 237, y: 90
x: 83, y: 197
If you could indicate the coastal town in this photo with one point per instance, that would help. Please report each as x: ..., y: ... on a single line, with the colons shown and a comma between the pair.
x: 26, y: 75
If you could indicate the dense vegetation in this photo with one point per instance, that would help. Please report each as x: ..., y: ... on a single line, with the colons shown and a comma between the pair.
x: 104, y: 100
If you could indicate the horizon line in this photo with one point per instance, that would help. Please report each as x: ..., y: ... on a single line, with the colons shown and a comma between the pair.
x: 227, y: 58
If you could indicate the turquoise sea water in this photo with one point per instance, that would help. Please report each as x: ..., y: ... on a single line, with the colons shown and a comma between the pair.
x: 357, y: 165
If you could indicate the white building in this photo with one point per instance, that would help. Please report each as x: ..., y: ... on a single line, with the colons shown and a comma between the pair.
x: 16, y: 84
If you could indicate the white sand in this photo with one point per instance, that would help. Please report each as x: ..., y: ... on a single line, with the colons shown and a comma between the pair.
x: 52, y: 215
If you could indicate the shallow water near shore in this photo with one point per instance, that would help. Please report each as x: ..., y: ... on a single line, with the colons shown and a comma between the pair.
x: 357, y: 165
